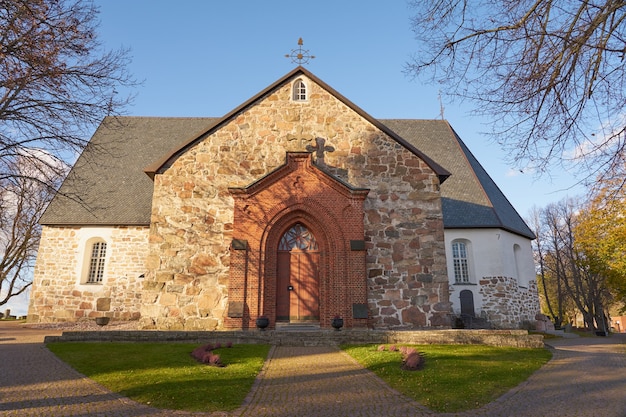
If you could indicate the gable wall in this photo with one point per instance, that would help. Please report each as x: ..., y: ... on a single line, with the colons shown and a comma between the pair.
x: 192, y: 215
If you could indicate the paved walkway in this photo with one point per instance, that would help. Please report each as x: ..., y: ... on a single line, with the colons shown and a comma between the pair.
x: 586, y: 377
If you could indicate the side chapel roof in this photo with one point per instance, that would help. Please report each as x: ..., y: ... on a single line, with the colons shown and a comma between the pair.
x: 108, y: 185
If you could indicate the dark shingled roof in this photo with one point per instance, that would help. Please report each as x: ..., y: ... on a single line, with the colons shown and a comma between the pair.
x: 108, y: 185
x: 470, y: 198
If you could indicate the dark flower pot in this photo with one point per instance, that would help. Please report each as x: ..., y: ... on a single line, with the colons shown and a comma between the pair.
x: 337, y: 323
x: 102, y: 321
x: 262, y: 322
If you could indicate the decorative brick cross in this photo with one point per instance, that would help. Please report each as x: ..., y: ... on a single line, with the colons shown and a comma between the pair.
x: 319, y: 149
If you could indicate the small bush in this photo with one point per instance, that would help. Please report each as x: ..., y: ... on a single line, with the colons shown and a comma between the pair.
x: 212, y: 359
x: 205, y: 354
x: 412, y: 360
x: 199, y: 352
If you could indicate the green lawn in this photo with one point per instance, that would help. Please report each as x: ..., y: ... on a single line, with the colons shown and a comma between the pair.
x: 455, y: 377
x: 164, y: 375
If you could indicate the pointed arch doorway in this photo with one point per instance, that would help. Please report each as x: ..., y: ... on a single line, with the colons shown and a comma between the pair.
x: 297, y: 277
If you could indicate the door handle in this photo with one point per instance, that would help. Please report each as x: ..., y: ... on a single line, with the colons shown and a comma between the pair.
x: 290, y: 287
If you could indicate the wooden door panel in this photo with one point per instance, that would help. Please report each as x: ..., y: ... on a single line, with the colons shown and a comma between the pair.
x: 282, y: 284
x: 307, y: 286
x: 297, y: 292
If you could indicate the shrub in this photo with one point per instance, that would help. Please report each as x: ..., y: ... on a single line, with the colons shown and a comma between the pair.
x: 199, y: 352
x: 205, y: 354
x: 412, y: 360
x: 212, y: 359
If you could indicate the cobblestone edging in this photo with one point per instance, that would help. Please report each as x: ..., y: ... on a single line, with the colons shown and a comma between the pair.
x: 511, y: 338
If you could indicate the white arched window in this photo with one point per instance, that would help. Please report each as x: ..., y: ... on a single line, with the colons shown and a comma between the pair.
x: 299, y: 90
x: 93, y: 271
x: 460, y: 260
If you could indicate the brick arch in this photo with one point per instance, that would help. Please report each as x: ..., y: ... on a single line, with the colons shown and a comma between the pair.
x: 332, y: 244
x: 264, y: 210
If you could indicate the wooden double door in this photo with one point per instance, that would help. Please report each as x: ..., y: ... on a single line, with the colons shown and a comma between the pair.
x: 297, y: 291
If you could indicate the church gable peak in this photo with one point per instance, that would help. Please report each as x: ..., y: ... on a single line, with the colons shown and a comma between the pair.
x: 300, y: 95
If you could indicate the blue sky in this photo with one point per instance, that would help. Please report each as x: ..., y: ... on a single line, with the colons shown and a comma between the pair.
x: 203, y: 58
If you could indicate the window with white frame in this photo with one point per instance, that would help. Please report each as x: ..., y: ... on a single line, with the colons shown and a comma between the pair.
x: 460, y: 262
x: 299, y: 90
x: 96, y: 262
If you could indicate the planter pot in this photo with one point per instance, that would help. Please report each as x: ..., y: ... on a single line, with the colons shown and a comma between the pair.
x: 102, y: 321
x: 262, y: 322
x: 337, y: 323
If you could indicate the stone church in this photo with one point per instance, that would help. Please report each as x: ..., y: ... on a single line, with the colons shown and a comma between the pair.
x: 297, y: 206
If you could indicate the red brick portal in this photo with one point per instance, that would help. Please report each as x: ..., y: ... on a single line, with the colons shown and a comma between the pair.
x: 297, y: 192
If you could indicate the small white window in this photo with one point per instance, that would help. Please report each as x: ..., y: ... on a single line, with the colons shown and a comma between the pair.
x: 460, y: 261
x: 299, y: 90
x: 96, y: 262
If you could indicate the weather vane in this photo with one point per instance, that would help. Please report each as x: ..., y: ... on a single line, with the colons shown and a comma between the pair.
x: 300, y: 56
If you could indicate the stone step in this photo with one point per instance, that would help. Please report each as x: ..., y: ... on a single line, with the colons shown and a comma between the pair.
x: 297, y: 327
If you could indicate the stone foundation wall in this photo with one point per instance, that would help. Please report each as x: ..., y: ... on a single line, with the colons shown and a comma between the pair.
x: 506, y: 304
x: 57, y: 293
x: 501, y: 338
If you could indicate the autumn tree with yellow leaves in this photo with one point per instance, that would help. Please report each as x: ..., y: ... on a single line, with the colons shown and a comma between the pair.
x: 600, y: 235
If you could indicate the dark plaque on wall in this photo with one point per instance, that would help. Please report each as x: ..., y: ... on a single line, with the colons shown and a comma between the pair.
x: 357, y: 245
x: 240, y: 244
x: 235, y: 309
x: 359, y: 311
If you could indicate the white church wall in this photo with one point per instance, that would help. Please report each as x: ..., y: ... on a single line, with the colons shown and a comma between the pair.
x: 502, y: 275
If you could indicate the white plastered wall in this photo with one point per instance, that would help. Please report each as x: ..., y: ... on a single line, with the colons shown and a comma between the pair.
x: 491, y: 253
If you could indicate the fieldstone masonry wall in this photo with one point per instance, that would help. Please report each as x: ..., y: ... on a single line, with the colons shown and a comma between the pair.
x: 506, y: 304
x: 175, y: 274
x: 57, y: 293
x: 192, y: 217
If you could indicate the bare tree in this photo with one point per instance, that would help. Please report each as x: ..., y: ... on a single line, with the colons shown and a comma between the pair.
x: 567, y: 275
x: 545, y: 253
x: 22, y: 202
x: 56, y: 83
x: 550, y: 73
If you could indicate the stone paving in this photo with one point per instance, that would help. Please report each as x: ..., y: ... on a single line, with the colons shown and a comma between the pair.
x: 586, y: 377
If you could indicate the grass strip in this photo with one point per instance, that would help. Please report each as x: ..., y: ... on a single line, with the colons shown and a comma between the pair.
x: 455, y: 377
x: 164, y: 375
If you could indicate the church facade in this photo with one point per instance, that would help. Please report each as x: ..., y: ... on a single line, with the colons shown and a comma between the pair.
x: 297, y: 206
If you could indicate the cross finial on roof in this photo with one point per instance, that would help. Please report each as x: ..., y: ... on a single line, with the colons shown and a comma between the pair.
x: 300, y: 56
